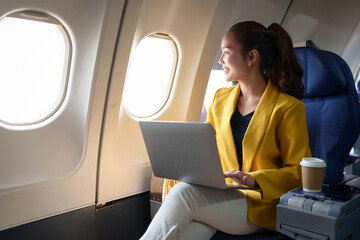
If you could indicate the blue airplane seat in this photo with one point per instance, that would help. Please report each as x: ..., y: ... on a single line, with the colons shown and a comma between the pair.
x: 332, y: 109
x: 332, y: 115
x: 353, y: 157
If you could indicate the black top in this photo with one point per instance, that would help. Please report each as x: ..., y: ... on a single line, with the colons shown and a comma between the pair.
x: 239, y: 124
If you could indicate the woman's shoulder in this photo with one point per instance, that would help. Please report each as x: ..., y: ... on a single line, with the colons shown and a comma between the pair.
x: 224, y: 92
x: 288, y: 98
x: 287, y: 101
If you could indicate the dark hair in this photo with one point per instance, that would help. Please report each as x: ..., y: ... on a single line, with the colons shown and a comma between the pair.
x: 278, y: 60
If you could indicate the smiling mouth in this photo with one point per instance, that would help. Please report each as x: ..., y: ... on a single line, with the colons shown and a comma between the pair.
x: 226, y: 69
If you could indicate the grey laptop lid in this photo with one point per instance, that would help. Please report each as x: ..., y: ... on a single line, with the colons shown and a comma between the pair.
x: 184, y: 151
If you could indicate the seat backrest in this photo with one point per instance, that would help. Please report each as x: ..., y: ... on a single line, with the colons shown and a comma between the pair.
x: 332, y: 108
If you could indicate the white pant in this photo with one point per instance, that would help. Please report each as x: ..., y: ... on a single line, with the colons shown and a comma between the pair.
x: 195, y: 212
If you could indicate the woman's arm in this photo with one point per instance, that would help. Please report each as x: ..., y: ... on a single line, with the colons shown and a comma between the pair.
x: 293, y: 142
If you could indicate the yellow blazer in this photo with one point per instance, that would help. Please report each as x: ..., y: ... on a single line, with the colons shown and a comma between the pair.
x: 274, y: 144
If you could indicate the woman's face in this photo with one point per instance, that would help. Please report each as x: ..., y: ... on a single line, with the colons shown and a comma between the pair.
x: 234, y: 64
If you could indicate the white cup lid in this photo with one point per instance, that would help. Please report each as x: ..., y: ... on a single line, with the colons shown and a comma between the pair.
x: 313, y: 162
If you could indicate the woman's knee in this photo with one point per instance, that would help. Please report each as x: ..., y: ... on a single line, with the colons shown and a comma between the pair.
x: 181, y: 188
x: 188, y: 195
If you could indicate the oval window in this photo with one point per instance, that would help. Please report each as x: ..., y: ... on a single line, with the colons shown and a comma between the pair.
x: 150, y: 75
x: 34, y: 63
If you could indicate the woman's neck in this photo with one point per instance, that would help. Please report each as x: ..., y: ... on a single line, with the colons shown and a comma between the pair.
x: 251, y: 91
x: 253, y: 87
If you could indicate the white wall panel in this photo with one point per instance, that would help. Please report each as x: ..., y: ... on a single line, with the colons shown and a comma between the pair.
x: 331, y: 22
x: 51, y: 167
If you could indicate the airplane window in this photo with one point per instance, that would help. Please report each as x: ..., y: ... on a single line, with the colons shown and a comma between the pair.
x: 150, y: 75
x: 216, y: 81
x: 35, y: 53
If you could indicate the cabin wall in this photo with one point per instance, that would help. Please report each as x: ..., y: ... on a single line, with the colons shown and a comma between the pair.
x: 51, y: 167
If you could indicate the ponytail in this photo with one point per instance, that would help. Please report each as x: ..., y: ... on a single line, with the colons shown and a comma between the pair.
x: 279, y: 63
x: 286, y: 71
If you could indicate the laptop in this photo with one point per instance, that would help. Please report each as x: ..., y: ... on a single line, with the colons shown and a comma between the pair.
x: 185, y: 151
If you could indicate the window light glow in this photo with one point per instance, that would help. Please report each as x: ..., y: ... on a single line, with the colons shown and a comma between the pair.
x: 150, y: 76
x: 216, y: 81
x: 33, y: 63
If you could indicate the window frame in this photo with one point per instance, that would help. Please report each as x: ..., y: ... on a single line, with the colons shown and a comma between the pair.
x: 43, y: 17
x: 171, y: 78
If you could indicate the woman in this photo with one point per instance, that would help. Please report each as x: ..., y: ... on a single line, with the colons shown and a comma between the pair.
x: 261, y: 134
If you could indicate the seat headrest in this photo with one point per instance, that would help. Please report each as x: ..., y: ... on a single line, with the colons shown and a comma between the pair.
x: 324, y: 72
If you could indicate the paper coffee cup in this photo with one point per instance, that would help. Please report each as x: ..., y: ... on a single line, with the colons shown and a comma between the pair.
x: 312, y: 170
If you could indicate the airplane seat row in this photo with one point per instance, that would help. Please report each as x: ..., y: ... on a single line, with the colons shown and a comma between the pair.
x: 332, y: 115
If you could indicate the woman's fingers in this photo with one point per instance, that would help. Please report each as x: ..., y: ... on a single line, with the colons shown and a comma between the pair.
x: 235, y: 175
x: 240, y: 177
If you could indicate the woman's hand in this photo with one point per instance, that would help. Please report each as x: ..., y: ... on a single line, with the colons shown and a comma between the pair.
x: 240, y: 177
